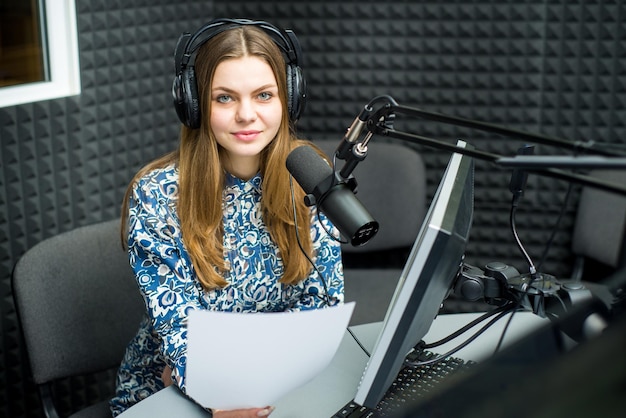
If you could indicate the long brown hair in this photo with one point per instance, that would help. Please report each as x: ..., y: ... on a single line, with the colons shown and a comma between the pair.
x: 201, y: 173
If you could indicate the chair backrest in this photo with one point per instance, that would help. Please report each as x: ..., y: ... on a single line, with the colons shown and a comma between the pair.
x: 77, y: 302
x: 600, y: 225
x: 391, y: 184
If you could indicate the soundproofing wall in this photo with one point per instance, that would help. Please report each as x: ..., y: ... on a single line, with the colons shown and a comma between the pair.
x: 66, y: 163
x: 550, y: 67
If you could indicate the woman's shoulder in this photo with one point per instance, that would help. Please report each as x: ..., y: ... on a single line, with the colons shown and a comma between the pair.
x: 167, y: 174
x: 158, y: 182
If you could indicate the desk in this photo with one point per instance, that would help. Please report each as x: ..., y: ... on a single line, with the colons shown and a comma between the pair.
x: 337, y: 384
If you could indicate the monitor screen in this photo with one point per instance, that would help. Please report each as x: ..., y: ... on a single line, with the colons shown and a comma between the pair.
x: 432, y: 266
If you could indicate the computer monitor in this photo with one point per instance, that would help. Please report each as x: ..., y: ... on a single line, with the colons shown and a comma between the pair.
x: 430, y: 270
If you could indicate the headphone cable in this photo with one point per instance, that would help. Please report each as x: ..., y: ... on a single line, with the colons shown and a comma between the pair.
x: 326, y: 297
x: 295, y: 220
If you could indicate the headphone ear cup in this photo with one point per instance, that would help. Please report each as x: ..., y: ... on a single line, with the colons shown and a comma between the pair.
x: 296, y: 92
x: 191, y: 105
x: 178, y: 98
x: 290, y: 93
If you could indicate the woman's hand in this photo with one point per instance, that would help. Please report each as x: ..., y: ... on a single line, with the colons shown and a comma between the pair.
x: 243, y: 413
x: 166, y: 377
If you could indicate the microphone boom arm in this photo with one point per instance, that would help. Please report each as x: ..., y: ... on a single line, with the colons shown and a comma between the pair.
x: 498, y: 129
x: 380, y: 122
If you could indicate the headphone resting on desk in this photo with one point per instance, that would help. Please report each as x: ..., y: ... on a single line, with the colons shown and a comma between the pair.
x: 185, y: 88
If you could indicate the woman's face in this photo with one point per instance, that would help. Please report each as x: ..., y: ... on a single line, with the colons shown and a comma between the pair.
x: 245, y: 112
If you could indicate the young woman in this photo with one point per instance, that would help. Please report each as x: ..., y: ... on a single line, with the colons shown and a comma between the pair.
x: 218, y: 224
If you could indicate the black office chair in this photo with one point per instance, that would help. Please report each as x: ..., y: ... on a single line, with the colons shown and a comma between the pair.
x: 600, y: 230
x: 392, y: 187
x: 78, y: 306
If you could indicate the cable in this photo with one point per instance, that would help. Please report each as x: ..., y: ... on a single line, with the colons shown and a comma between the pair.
x: 463, y: 344
x: 367, y: 353
x: 533, y: 271
x: 326, y: 296
x: 531, y: 265
x: 465, y: 328
x: 295, y: 220
x: 329, y: 233
x: 506, y: 327
x: 517, y: 303
x: 449, y: 337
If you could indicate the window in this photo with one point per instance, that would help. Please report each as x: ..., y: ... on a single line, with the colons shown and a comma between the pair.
x: 21, y: 52
x: 38, y: 51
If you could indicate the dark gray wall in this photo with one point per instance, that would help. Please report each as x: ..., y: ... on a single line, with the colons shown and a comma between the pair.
x: 547, y: 66
x: 66, y: 163
x: 553, y: 67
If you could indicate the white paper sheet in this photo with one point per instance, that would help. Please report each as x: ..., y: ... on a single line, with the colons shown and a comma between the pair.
x: 237, y: 360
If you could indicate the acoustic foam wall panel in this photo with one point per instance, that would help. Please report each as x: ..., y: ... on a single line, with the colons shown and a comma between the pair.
x: 549, y: 67
x: 66, y: 163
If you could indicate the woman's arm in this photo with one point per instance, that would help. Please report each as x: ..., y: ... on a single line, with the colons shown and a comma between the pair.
x: 163, y: 272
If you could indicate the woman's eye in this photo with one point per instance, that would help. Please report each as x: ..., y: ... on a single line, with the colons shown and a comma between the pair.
x: 265, y: 96
x: 223, y: 98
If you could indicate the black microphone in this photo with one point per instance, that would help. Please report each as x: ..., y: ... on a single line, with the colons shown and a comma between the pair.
x: 331, y: 196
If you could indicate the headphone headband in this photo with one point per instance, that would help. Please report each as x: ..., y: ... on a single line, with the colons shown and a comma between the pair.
x: 289, y: 45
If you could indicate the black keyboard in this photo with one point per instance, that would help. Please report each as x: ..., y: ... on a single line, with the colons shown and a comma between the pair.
x: 412, y: 383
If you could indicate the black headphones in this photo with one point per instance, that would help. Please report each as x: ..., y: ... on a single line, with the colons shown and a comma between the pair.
x: 185, y: 88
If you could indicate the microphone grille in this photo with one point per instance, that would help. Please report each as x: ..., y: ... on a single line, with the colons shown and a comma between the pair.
x: 307, y: 167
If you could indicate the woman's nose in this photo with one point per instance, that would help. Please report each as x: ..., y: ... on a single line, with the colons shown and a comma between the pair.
x: 246, y: 111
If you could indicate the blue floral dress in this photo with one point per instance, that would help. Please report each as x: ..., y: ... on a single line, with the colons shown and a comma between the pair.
x: 170, y: 288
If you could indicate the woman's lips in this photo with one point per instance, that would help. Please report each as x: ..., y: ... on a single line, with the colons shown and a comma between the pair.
x: 246, y: 135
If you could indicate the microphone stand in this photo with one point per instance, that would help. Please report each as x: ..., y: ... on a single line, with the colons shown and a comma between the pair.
x: 380, y: 122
